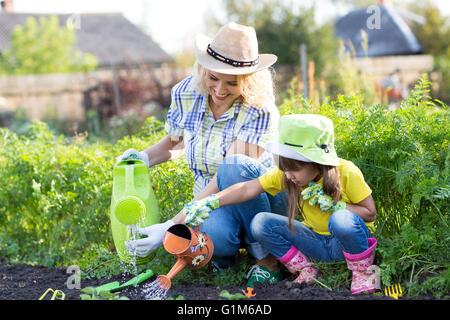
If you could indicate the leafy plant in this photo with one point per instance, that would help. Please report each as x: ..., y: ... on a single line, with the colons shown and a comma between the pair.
x: 225, y: 294
x: 179, y: 297
x: 92, y: 294
x: 55, y: 196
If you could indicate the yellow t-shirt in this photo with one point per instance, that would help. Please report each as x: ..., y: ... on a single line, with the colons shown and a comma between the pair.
x: 354, y: 190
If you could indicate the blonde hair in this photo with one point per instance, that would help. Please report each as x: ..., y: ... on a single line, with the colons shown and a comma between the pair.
x: 257, y: 88
x: 331, y: 185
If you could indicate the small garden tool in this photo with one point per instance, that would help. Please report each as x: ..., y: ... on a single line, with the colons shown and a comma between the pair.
x: 57, y: 294
x: 191, y: 247
x: 115, y: 286
x: 133, y: 204
x: 249, y: 292
x: 394, y: 291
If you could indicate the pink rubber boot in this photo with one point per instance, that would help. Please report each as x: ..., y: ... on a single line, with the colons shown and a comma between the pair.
x: 295, y: 261
x: 364, y: 277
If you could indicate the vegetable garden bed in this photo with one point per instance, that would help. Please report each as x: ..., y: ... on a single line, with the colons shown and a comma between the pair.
x: 26, y: 282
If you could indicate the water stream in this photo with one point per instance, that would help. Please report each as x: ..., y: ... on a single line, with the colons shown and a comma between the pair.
x: 153, y: 291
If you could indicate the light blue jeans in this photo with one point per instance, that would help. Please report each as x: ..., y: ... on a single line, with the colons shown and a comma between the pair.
x: 229, y: 226
x: 348, y: 233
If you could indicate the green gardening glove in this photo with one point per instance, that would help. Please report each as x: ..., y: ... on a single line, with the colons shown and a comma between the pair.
x: 326, y: 204
x: 312, y: 193
x: 315, y: 194
x: 197, y: 211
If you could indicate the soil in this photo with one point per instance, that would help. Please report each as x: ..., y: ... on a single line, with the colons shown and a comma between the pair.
x: 26, y: 282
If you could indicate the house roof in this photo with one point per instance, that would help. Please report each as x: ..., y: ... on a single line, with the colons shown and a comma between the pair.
x: 110, y: 37
x: 393, y: 37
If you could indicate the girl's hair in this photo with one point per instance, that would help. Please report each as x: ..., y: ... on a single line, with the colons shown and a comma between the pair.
x: 331, y: 184
x: 257, y: 88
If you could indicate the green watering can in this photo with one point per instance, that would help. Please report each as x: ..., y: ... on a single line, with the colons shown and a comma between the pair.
x: 133, y: 204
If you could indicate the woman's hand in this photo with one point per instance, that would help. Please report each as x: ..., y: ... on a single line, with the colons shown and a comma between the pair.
x: 155, y: 235
x: 134, y: 154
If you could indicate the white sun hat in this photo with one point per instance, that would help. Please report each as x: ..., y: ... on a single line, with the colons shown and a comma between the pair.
x: 234, y: 50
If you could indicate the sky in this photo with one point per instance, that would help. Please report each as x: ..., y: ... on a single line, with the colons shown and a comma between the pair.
x: 173, y: 24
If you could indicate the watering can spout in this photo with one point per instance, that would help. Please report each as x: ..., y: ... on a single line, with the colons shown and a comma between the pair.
x: 164, y: 282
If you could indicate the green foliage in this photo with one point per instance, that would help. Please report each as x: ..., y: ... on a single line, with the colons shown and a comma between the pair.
x: 43, y: 46
x: 225, y: 294
x: 100, y: 263
x: 91, y: 294
x: 415, y: 254
x: 333, y: 275
x: 55, y: 195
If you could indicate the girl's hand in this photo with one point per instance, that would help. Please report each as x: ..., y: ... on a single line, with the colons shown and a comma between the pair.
x: 312, y: 193
x: 316, y: 195
x: 197, y: 211
x: 326, y: 204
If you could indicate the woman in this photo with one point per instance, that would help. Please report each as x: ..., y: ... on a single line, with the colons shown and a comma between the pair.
x: 224, y: 114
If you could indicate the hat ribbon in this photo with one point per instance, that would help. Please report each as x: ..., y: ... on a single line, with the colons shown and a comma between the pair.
x: 229, y: 61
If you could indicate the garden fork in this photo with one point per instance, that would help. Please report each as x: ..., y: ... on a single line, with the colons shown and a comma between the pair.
x: 394, y: 291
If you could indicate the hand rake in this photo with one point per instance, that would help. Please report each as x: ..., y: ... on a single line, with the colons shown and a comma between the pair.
x: 394, y: 291
x: 57, y: 294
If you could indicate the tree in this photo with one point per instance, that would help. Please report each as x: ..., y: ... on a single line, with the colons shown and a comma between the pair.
x: 44, y: 46
x: 434, y: 34
x: 281, y: 27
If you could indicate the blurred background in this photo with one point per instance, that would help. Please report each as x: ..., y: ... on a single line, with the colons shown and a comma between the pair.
x: 103, y: 67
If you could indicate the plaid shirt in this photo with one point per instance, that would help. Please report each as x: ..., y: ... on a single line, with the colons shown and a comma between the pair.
x: 207, y: 140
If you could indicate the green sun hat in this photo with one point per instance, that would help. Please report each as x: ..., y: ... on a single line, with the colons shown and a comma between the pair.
x: 305, y: 137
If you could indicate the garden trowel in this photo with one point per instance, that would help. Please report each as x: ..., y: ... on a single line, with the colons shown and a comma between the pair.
x: 116, y: 286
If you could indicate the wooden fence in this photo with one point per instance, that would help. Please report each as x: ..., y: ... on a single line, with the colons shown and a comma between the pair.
x: 63, y: 96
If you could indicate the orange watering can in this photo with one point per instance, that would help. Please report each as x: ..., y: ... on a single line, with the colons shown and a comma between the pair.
x: 191, y: 247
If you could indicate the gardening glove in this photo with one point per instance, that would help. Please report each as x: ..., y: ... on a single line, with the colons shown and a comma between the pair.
x: 316, y: 195
x: 197, y: 211
x: 326, y: 204
x: 312, y: 193
x: 155, y: 234
x: 134, y: 154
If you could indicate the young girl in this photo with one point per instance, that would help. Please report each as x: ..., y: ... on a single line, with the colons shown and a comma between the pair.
x: 330, y: 195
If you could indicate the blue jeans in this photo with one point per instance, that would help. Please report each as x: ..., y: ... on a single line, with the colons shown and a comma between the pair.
x: 348, y: 233
x: 228, y: 226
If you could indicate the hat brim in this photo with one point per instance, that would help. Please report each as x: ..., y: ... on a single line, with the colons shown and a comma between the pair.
x: 288, y: 152
x: 210, y: 63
